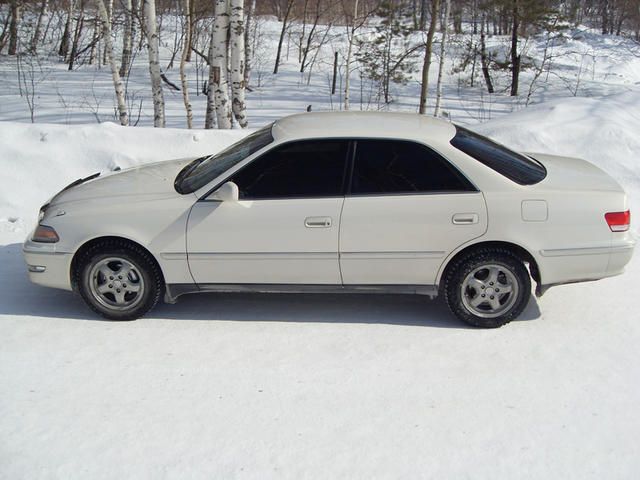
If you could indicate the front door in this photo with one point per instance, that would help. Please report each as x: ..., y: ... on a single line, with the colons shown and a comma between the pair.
x: 284, y: 229
x: 406, y: 210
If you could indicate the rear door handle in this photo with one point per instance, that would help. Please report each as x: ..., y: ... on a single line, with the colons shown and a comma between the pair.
x: 317, y: 222
x: 465, y: 218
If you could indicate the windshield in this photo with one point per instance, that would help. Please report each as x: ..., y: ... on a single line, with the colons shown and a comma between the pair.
x: 514, y: 166
x: 202, y: 170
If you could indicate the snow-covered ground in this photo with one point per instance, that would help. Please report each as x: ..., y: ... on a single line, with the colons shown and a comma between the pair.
x: 318, y: 386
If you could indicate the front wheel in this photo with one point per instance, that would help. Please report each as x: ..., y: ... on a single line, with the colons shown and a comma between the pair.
x: 488, y: 288
x: 118, y: 280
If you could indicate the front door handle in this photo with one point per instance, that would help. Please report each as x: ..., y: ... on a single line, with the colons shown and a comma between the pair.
x: 317, y: 222
x: 465, y: 219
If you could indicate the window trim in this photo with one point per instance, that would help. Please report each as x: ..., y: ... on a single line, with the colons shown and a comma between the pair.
x: 494, y: 168
x: 348, y: 174
x: 345, y: 177
x: 456, y: 171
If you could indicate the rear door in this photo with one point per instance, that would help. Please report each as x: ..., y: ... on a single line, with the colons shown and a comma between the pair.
x: 406, y: 209
x: 283, y: 229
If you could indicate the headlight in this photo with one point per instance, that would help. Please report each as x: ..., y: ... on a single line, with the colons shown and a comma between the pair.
x: 45, y: 234
x: 43, y: 210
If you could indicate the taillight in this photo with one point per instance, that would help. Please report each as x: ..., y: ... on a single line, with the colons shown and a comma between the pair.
x: 618, y: 221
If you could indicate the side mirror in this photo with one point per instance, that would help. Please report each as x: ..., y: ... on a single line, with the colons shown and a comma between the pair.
x: 228, y: 192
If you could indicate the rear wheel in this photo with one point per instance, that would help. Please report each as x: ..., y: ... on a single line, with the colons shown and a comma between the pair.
x: 487, y: 288
x: 118, y: 280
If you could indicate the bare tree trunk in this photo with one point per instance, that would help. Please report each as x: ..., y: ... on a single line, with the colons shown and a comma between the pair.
x: 186, y: 47
x: 282, y: 33
x: 94, y: 41
x: 108, y: 48
x: 218, y: 94
x: 192, y: 24
x: 109, y: 6
x: 14, y: 26
x: 154, y: 63
x: 424, y: 88
x: 484, y: 59
x: 63, y: 51
x: 5, y: 30
x: 515, y: 58
x: 347, y: 74
x: 237, y: 46
x: 36, y: 33
x: 76, y: 36
x: 127, y: 39
x: 445, y: 30
x: 247, y: 42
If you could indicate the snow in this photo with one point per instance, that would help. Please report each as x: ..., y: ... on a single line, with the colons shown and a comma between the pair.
x: 46, y: 158
x: 316, y: 386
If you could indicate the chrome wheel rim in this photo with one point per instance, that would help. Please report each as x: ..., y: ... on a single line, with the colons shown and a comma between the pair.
x: 116, y: 283
x: 489, y: 291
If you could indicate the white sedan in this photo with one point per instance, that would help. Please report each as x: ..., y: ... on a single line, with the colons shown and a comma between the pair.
x: 337, y: 202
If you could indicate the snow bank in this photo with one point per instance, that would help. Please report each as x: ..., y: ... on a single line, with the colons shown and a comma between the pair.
x: 37, y: 160
x: 602, y: 130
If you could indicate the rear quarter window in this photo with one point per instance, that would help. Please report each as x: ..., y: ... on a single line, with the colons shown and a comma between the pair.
x: 515, y: 166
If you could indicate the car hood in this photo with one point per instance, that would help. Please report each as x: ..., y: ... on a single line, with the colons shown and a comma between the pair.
x: 154, y: 180
x: 567, y: 173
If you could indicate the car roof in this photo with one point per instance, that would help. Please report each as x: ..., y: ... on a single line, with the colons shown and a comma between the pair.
x: 410, y: 126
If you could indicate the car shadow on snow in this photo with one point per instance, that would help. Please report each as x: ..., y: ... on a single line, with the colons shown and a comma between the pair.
x: 18, y: 296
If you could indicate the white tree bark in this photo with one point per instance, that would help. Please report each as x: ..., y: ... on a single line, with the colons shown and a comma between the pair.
x: 236, y: 44
x: 218, y: 95
x: 127, y: 39
x: 186, y: 44
x: 347, y: 75
x: 108, y: 47
x: 36, y: 34
x: 154, y: 63
x: 445, y: 31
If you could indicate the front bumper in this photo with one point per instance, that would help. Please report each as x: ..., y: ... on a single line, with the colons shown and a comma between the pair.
x: 46, y: 266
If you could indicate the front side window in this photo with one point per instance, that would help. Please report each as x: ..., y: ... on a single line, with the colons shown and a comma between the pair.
x: 514, y: 166
x: 205, y: 169
x: 402, y: 167
x: 310, y: 168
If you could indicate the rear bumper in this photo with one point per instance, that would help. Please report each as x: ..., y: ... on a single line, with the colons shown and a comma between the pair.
x: 47, y: 267
x: 583, y: 264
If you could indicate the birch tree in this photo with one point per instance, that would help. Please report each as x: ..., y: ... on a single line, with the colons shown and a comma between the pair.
x: 218, y: 95
x: 36, y: 33
x: 351, y: 34
x: 443, y: 45
x: 424, y: 88
x: 127, y: 38
x: 108, y: 47
x: 237, y: 46
x: 186, y: 45
x: 247, y: 42
x: 154, y: 63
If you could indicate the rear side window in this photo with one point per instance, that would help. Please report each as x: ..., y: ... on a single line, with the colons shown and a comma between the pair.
x: 397, y: 167
x: 314, y: 168
x: 514, y: 166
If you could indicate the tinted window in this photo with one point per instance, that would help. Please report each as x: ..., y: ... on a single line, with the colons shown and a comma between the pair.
x: 388, y: 166
x: 301, y: 169
x: 203, y: 170
x: 512, y: 165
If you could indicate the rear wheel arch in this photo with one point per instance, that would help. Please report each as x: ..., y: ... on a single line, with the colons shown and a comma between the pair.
x: 516, y: 250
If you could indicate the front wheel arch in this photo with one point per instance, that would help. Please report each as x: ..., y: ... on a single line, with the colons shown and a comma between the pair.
x: 90, y: 243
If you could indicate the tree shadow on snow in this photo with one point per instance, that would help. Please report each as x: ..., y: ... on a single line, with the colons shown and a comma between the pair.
x: 18, y: 296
